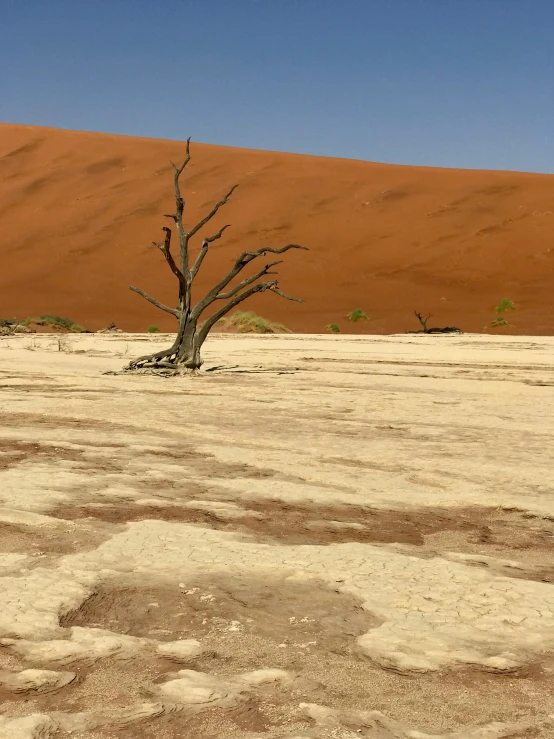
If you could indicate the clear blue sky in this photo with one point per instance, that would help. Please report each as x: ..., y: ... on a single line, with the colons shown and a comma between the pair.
x: 452, y: 83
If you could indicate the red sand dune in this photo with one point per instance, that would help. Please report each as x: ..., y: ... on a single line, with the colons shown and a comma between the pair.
x: 78, y: 212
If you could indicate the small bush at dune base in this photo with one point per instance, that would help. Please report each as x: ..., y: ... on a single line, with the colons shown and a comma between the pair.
x: 247, y: 322
x: 500, y: 321
x: 357, y: 315
x: 354, y: 316
x: 504, y: 306
x: 153, y: 330
x: 57, y: 323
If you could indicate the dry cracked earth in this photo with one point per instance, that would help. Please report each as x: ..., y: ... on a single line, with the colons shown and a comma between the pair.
x: 317, y: 538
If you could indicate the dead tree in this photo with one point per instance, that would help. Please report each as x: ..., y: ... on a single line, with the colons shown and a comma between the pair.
x: 423, y: 321
x: 426, y: 330
x: 184, y: 354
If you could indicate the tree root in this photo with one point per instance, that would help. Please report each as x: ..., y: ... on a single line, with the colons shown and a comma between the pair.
x: 161, y: 359
x: 154, y: 372
x: 445, y: 330
x: 155, y: 367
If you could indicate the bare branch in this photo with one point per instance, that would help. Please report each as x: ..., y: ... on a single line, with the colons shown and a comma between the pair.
x: 211, y: 214
x: 260, y: 287
x: 284, y: 295
x: 165, y: 249
x: 155, y: 302
x: 204, y: 250
x: 178, y: 215
x: 248, y: 281
x: 215, y: 317
x: 248, y: 256
x: 209, y: 239
x: 245, y: 258
x: 177, y: 169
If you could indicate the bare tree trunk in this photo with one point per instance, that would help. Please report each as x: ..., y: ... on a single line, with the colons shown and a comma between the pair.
x: 184, y: 354
x: 188, y: 354
x: 423, y: 321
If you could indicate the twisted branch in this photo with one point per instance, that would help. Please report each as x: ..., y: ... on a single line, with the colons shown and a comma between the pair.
x: 178, y: 215
x: 248, y: 281
x: 155, y: 302
x: 245, y: 258
x: 177, y: 173
x: 259, y: 287
x: 165, y: 249
x: 205, y: 247
x: 211, y: 214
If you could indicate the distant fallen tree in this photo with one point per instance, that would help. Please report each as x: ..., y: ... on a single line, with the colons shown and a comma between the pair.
x: 426, y: 330
x: 184, y: 354
x: 9, y: 326
x: 111, y: 329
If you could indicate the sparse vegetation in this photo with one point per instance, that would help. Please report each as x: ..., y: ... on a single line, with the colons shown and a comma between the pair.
x: 184, y: 354
x: 63, y: 344
x: 504, y: 306
x: 247, y: 322
x: 357, y: 315
x: 354, y: 316
x: 57, y: 323
x: 153, y: 330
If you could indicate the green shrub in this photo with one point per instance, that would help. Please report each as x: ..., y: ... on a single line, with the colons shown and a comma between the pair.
x: 333, y: 327
x: 247, y: 322
x: 153, y: 330
x: 500, y: 321
x: 357, y: 315
x: 505, y: 305
x: 56, y: 322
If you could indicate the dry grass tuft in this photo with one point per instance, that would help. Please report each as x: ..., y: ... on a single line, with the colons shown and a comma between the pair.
x: 247, y: 322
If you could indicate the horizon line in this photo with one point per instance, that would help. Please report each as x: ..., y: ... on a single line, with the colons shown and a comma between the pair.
x: 276, y: 151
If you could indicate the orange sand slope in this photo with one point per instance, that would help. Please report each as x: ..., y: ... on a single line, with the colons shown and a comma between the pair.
x: 78, y: 212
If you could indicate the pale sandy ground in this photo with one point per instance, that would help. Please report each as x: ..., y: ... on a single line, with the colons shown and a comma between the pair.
x: 326, y: 537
